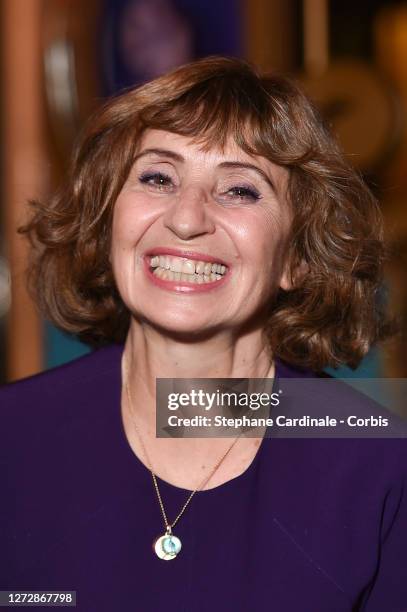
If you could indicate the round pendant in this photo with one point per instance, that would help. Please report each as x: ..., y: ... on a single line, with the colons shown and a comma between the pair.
x: 167, y: 546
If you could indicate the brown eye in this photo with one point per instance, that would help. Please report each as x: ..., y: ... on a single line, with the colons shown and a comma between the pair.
x: 243, y: 193
x: 156, y: 179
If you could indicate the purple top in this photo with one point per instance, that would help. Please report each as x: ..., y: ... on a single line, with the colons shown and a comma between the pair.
x: 313, y: 525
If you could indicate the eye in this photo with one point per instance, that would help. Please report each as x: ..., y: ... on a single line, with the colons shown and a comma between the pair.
x: 159, y: 180
x: 243, y: 193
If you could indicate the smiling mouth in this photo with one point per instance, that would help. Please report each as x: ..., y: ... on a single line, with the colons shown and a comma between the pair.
x: 172, y: 268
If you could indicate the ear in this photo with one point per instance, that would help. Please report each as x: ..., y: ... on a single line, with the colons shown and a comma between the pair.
x: 288, y: 280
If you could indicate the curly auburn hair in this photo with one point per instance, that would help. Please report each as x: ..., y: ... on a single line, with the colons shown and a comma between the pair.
x: 329, y: 317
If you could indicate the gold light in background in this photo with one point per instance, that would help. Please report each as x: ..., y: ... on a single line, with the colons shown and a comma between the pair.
x: 390, y: 36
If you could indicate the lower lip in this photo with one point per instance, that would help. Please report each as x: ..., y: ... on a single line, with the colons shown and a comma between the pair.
x: 183, y: 286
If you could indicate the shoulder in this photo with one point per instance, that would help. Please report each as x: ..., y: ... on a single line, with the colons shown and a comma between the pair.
x: 360, y: 453
x: 71, y: 380
x: 359, y: 408
x: 48, y: 415
x: 287, y: 370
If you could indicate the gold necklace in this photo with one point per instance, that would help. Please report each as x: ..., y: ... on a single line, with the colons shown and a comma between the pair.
x: 167, y: 546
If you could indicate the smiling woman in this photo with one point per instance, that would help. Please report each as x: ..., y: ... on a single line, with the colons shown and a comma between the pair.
x: 252, y: 154
x: 199, y: 223
x: 210, y: 227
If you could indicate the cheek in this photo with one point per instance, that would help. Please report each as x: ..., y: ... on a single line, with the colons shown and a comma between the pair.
x: 131, y: 218
x: 262, y: 239
x: 120, y: 225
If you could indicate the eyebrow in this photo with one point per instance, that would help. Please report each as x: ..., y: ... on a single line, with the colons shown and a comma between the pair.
x: 164, y: 152
x: 227, y: 164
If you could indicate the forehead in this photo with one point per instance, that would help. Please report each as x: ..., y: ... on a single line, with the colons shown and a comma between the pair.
x: 196, y: 150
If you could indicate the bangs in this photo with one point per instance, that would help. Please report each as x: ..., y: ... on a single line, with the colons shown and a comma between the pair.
x: 218, y: 109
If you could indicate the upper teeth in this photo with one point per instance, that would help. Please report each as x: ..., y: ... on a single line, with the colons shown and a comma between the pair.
x: 186, y: 266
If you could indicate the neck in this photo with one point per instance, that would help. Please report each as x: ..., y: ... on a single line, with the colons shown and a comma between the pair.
x: 150, y: 354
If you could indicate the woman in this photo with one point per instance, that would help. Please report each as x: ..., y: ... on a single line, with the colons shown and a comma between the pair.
x: 211, y: 228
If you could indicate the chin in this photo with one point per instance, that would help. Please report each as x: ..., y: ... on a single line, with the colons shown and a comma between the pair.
x: 182, y: 328
x: 186, y: 333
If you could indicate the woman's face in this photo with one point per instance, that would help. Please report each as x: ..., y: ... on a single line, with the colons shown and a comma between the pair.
x: 199, y: 237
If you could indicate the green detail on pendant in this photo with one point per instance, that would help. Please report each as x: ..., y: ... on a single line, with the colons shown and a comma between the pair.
x: 171, y: 545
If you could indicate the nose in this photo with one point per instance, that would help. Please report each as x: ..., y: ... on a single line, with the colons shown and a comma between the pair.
x: 189, y: 215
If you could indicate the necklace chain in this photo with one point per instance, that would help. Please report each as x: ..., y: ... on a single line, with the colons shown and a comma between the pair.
x: 168, y: 525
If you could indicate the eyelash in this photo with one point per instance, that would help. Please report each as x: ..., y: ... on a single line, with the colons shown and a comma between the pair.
x: 152, y: 178
x: 248, y: 193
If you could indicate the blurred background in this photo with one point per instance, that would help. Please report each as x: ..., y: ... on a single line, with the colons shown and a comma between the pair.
x: 61, y: 58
